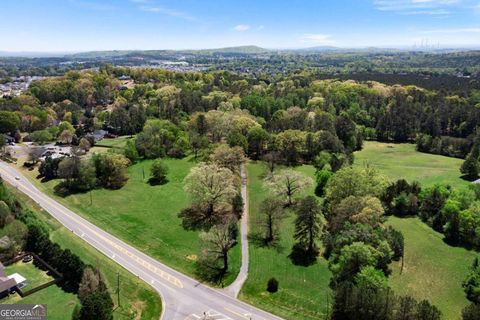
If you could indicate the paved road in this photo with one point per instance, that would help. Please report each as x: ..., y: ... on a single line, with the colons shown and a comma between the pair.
x: 234, y: 288
x: 184, y: 298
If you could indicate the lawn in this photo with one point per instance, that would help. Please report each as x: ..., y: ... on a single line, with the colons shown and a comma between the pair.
x: 303, y: 291
x: 60, y: 304
x: 145, y: 216
x: 118, y: 142
x: 138, y: 300
x: 35, y: 277
x: 432, y: 269
x: 403, y: 161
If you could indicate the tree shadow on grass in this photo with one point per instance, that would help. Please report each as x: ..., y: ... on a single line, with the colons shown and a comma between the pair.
x: 155, y: 182
x: 63, y: 189
x: 301, y: 257
x: 210, y: 273
x: 259, y: 241
x: 468, y: 178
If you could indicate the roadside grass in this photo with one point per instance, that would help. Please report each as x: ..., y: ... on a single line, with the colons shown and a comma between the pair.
x: 303, y: 291
x: 137, y: 299
x: 35, y: 277
x: 403, y: 161
x: 433, y: 270
x: 145, y: 216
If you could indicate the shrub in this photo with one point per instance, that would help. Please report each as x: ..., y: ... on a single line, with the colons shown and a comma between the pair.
x: 272, y: 285
x: 158, y: 172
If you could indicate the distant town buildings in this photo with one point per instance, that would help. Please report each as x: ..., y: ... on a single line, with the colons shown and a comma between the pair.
x: 17, y: 85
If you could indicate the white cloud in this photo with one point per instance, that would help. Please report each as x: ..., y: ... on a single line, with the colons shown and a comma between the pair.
x: 452, y: 31
x: 418, y: 7
x: 241, y: 27
x: 318, y: 39
x: 168, y: 12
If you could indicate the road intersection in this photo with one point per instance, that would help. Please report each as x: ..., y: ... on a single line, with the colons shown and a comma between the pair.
x: 183, y: 297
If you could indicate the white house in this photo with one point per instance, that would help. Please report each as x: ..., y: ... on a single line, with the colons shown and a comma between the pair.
x: 19, y: 279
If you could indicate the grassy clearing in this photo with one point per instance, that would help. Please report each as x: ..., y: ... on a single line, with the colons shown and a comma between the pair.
x: 118, y: 142
x: 138, y: 300
x: 302, y: 291
x: 145, y: 216
x: 403, y: 161
x: 432, y: 269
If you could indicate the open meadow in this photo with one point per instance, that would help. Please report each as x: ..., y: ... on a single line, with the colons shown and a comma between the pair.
x: 433, y: 270
x: 145, y: 216
x: 403, y: 161
x: 303, y: 291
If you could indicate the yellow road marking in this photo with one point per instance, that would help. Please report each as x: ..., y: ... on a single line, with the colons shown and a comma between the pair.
x: 237, y: 313
x: 166, y: 276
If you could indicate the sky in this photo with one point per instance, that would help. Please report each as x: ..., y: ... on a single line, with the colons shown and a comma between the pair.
x: 86, y: 25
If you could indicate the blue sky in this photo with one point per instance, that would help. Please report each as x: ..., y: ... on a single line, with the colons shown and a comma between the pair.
x: 83, y: 25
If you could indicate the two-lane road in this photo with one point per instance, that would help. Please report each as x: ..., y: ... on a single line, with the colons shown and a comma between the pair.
x: 183, y: 297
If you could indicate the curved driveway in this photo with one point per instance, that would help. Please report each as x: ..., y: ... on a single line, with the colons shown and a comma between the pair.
x: 183, y: 297
x: 234, y: 288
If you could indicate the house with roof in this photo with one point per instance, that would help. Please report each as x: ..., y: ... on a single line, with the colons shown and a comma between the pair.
x: 6, y: 282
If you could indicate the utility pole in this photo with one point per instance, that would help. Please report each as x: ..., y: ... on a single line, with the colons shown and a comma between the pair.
x: 118, y: 289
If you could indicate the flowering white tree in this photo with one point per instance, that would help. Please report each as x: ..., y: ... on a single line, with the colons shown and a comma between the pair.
x: 287, y: 183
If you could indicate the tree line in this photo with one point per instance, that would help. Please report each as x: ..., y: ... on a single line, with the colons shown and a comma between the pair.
x: 76, y: 277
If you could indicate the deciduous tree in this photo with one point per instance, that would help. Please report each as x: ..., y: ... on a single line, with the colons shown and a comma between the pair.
x: 286, y: 184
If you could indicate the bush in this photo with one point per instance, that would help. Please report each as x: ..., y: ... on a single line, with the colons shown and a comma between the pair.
x: 158, y: 172
x: 471, y: 312
x: 272, y: 285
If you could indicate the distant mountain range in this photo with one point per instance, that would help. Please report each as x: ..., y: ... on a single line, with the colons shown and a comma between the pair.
x: 121, y: 53
x: 227, y: 50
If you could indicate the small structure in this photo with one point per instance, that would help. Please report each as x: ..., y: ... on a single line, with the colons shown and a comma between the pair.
x: 476, y: 181
x: 98, y: 135
x: 19, y: 279
x: 9, y: 139
x: 6, y: 283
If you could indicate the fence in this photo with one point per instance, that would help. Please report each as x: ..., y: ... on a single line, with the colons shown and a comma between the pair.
x: 56, y: 275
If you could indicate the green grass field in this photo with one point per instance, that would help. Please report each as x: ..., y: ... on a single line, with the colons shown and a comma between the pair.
x: 145, y: 216
x: 403, y: 161
x: 35, y: 277
x: 118, y: 142
x: 302, y: 291
x: 432, y: 269
x: 138, y: 300
x: 60, y: 304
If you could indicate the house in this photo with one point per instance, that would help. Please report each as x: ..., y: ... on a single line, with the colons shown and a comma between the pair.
x: 19, y: 280
x: 6, y: 283
x: 9, y: 139
x: 124, y: 77
x: 99, y: 135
